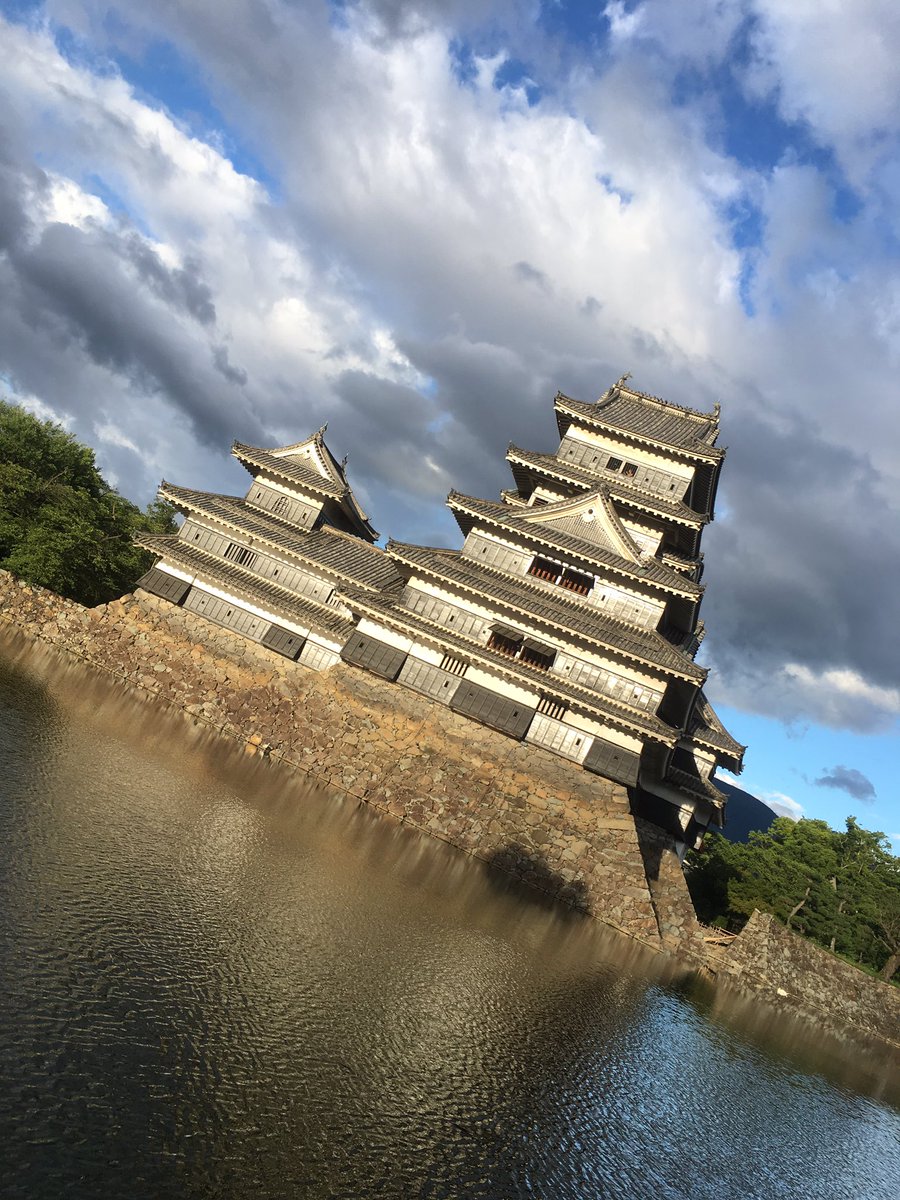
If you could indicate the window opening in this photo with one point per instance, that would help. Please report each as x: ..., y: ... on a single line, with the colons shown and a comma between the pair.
x: 504, y: 643
x: 576, y: 582
x: 537, y: 656
x: 240, y: 555
x: 542, y: 568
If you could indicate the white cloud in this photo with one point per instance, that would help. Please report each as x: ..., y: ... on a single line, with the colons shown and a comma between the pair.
x: 430, y: 258
x: 783, y: 805
x: 839, y: 691
x: 834, y: 65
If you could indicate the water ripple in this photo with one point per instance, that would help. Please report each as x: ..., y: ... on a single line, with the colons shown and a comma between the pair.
x: 221, y: 985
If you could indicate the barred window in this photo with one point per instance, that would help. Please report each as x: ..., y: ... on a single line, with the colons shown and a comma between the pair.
x: 241, y: 555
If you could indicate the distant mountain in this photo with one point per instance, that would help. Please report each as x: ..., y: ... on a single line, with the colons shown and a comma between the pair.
x: 743, y: 813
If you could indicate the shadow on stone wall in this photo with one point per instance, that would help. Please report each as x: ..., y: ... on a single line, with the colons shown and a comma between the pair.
x: 651, y: 853
x: 542, y: 885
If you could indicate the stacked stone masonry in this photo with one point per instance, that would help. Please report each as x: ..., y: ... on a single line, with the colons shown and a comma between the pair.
x: 792, y: 972
x: 520, y: 808
x: 530, y: 813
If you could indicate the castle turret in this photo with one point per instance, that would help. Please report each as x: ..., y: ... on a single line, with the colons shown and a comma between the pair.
x: 267, y: 565
x: 570, y: 616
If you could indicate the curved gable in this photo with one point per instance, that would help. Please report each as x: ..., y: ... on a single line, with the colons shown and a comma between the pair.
x: 592, y: 518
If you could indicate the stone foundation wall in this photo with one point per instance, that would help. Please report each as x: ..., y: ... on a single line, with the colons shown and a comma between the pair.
x: 534, y: 815
x: 676, y: 917
x: 520, y: 808
x: 789, y: 971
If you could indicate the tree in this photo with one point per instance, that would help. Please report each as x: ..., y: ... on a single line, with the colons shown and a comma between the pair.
x: 842, y: 889
x: 61, y: 525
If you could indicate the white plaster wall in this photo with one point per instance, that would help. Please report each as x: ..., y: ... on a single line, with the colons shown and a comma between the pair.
x: 638, y: 454
x: 295, y: 491
x: 647, y: 539
x: 426, y: 654
x: 501, y: 686
x: 388, y: 636
x: 245, y: 605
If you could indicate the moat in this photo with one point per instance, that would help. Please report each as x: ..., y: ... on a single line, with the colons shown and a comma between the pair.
x: 219, y: 984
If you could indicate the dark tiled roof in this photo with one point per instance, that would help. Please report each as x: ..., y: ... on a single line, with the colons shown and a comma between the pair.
x: 328, y: 550
x: 580, y: 477
x: 707, y: 729
x: 536, y: 603
x: 384, y: 608
x: 295, y: 471
x: 696, y: 785
x: 650, y: 418
x: 288, y: 468
x: 240, y: 583
x: 648, y: 571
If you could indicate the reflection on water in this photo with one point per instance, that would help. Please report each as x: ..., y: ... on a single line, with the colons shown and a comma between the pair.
x: 218, y: 983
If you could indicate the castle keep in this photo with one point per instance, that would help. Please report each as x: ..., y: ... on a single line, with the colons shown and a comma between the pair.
x: 569, y: 619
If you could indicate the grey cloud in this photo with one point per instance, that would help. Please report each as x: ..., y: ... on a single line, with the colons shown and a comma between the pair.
x: 75, y: 287
x: 529, y: 274
x: 807, y: 525
x: 182, y: 287
x: 386, y: 428
x: 849, y: 780
x: 75, y: 299
x: 222, y: 364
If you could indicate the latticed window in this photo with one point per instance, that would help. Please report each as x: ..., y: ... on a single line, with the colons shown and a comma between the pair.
x: 240, y: 555
x: 549, y: 707
x: 455, y: 666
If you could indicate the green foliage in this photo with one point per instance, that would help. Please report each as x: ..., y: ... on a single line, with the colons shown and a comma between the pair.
x: 842, y: 889
x: 61, y: 525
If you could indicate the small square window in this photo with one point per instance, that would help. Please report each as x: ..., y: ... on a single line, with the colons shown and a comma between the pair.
x: 628, y: 470
x: 614, y: 464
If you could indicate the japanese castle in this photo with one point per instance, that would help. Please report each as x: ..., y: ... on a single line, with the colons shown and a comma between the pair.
x: 569, y: 618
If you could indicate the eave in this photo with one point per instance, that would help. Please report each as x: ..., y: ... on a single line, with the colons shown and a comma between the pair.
x: 419, y: 628
x: 326, y: 551
x: 650, y: 573
x: 240, y: 583
x: 569, y: 412
x: 549, y: 466
x: 565, y: 614
x: 334, y: 487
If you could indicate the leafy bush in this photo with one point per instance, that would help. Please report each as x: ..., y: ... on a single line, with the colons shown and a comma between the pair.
x: 61, y: 525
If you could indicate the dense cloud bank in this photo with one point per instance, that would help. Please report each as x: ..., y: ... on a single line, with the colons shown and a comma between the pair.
x: 417, y: 221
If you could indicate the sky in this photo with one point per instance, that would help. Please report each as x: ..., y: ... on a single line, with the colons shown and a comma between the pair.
x: 418, y: 221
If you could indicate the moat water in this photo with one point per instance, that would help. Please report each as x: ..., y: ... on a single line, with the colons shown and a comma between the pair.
x: 217, y: 983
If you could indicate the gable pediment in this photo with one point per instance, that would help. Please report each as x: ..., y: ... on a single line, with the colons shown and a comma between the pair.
x: 592, y: 518
x: 313, y: 453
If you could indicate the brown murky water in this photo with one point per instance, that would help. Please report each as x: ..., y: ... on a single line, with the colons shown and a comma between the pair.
x: 217, y: 983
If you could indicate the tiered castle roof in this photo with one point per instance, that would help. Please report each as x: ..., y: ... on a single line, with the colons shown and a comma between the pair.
x: 568, y: 618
